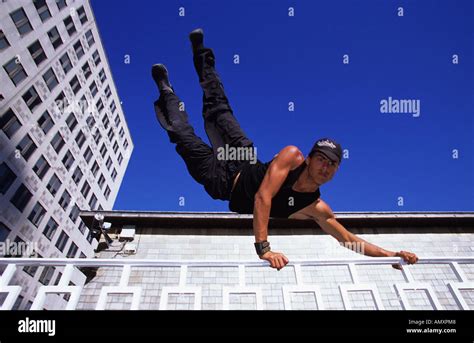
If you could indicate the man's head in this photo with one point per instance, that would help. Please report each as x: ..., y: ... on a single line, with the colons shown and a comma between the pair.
x: 324, y: 160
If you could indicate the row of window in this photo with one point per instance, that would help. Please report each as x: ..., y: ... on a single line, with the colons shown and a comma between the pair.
x: 17, y: 73
x: 10, y: 124
x: 49, y: 230
x: 36, y: 216
x: 23, y: 25
x: 22, y: 197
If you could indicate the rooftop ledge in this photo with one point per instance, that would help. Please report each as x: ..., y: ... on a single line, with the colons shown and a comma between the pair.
x: 157, y: 219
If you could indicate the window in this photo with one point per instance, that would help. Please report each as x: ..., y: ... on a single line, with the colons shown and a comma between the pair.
x: 41, y: 167
x: 70, y: 28
x: 103, y: 150
x: 102, y: 76
x: 72, y: 251
x: 109, y: 163
x: 105, y: 121
x: 31, y: 98
x: 45, y: 122
x: 43, y: 10
x: 61, y: 4
x: 53, y: 185
x: 99, y: 105
x: 86, y: 69
x: 30, y: 270
x: 55, y: 38
x: 115, y: 147
x: 21, y: 197
x: 46, y: 275
x: 120, y: 159
x: 65, y: 200
x: 93, y: 88
x: 82, y: 227
x: 21, y: 21
x: 101, y: 181
x: 108, y: 92
x: 7, y: 177
x: 113, y: 108
x: 28, y: 305
x: 121, y: 132
x: 37, y: 52
x: 88, y: 154
x: 75, y: 85
x: 97, y: 136
x: 74, y: 213
x: 57, y: 142
x: 90, y: 38
x: 17, y: 304
x: 68, y: 160
x: 85, y: 189
x: 37, y: 214
x: 62, y: 241
x: 50, y: 78
x: 77, y: 175
x: 84, y: 104
x: 65, y: 63
x: 78, y: 49
x: 50, y: 228
x: 93, y: 202
x: 90, y: 122
x: 9, y: 123
x: 95, y: 169
x: 3, y: 41
x: 82, y: 15
x: 4, y: 232
x: 114, y: 174
x: 80, y: 139
x: 110, y: 134
x: 15, y: 71
x: 107, y: 192
x: 58, y: 278
x: 71, y: 122
x: 90, y: 236
x: 96, y: 57
x: 26, y: 147
x: 61, y: 101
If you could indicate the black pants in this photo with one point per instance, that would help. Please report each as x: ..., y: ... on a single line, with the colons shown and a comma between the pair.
x: 216, y: 175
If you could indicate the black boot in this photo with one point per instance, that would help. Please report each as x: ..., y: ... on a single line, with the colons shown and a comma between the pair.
x: 160, y: 75
x: 197, y: 39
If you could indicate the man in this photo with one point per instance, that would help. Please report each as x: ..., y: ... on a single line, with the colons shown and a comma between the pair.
x: 287, y: 186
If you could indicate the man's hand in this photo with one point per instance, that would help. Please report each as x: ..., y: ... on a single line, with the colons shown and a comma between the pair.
x: 408, y: 257
x: 277, y: 260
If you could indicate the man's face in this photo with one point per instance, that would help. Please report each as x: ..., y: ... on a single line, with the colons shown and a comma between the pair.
x: 321, y: 168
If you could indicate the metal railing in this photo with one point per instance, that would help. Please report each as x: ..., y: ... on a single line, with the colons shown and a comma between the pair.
x: 13, y: 291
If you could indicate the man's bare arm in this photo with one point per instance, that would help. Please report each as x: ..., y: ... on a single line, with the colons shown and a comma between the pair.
x: 286, y: 160
x: 324, y: 216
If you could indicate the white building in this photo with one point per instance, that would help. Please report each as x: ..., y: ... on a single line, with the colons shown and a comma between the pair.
x: 64, y: 140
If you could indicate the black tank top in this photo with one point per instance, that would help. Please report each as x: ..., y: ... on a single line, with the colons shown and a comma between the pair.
x: 284, y: 203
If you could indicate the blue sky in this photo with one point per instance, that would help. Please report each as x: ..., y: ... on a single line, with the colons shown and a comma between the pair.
x: 300, y: 59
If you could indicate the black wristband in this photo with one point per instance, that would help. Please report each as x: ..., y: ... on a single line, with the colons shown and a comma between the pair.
x: 262, y: 247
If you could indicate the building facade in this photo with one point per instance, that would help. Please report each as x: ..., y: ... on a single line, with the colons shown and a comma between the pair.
x: 64, y: 140
x: 185, y: 261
